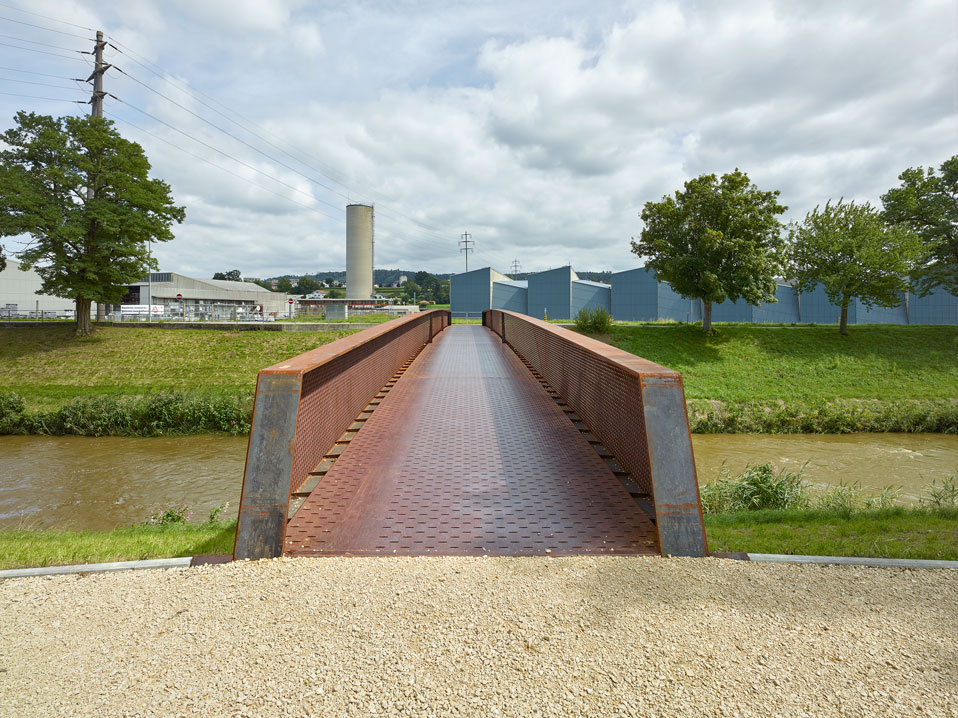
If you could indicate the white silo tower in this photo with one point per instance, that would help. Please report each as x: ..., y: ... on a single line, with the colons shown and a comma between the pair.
x: 359, y: 251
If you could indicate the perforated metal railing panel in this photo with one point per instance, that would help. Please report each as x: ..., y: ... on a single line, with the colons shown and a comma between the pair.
x: 607, y: 396
x: 468, y: 455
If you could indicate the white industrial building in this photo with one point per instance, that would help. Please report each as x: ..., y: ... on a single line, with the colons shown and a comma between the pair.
x: 19, y: 298
x: 180, y: 296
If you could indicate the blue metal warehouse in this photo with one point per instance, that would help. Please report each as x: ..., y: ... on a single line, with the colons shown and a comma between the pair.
x: 636, y: 295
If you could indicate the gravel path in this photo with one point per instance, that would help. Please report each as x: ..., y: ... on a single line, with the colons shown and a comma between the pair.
x: 583, y: 636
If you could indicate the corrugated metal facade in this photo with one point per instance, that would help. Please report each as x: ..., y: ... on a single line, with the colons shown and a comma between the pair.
x: 636, y: 295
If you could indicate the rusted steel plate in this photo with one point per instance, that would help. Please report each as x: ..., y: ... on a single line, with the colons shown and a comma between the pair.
x: 469, y: 455
x: 619, y: 395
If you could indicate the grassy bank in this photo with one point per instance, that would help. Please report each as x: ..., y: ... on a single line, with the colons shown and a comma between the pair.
x: 48, y: 367
x: 27, y: 549
x: 143, y: 382
x: 896, y: 532
x: 808, y: 379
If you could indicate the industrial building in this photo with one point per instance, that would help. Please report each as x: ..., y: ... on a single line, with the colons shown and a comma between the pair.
x: 181, y: 296
x: 637, y: 295
x: 19, y: 297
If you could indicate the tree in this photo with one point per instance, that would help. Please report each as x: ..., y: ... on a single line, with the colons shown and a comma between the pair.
x: 928, y: 204
x: 86, y: 247
x: 284, y: 285
x: 231, y: 276
x: 852, y: 252
x: 305, y: 285
x: 717, y: 240
x: 336, y: 294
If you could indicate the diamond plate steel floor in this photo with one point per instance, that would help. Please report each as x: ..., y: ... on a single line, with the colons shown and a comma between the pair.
x: 468, y: 455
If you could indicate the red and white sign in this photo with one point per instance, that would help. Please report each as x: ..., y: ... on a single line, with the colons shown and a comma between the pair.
x: 290, y: 301
x: 179, y: 297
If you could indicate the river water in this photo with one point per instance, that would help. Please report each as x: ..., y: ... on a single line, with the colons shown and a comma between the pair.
x: 100, y: 483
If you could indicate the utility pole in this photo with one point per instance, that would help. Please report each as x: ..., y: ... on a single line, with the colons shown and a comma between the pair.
x: 466, y: 245
x: 516, y: 268
x: 96, y: 110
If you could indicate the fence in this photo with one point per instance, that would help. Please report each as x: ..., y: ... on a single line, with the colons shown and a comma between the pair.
x: 303, y: 406
x: 634, y: 407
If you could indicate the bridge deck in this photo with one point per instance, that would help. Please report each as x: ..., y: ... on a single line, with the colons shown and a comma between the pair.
x: 468, y: 455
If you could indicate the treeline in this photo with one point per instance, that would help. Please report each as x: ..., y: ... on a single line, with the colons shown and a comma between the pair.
x: 720, y: 239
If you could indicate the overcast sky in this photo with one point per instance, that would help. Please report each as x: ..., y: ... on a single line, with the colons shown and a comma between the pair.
x: 540, y: 127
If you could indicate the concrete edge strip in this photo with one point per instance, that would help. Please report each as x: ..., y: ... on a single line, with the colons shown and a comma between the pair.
x: 852, y: 561
x: 183, y: 562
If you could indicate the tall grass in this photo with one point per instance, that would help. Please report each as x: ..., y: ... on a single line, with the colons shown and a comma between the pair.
x: 151, y: 415
x: 758, y: 488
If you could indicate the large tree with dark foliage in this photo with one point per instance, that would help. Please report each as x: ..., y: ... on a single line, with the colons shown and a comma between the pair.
x: 928, y: 203
x: 718, y: 239
x: 84, y: 197
x: 231, y: 276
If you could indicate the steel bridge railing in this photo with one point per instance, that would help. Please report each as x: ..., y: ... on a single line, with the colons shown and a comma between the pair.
x: 303, y: 405
x: 634, y: 407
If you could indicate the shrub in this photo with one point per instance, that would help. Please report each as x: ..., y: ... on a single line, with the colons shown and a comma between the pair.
x: 12, y: 413
x: 593, y: 321
x: 944, y: 495
x: 759, y: 487
x: 179, y: 514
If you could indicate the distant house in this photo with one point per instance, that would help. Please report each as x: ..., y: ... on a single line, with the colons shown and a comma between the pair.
x: 316, y: 295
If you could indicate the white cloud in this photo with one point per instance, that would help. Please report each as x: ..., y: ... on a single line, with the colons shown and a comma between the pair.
x: 540, y: 127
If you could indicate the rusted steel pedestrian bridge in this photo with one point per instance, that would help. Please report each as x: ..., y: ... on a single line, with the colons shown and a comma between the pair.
x: 517, y: 437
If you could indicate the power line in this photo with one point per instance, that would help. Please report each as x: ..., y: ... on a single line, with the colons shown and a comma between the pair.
x: 45, y: 17
x: 31, y: 72
x: 466, y: 244
x: 42, y: 84
x: 35, y: 97
x: 219, y: 151
x: 43, y: 52
x: 126, y: 51
x: 219, y: 167
x: 230, y: 134
x: 35, y: 42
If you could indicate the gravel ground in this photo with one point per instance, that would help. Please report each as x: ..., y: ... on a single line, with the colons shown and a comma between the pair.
x: 605, y: 636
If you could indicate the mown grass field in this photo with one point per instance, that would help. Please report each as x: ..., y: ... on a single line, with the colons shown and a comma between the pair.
x: 896, y: 532
x: 889, y: 533
x: 805, y: 363
x: 29, y: 549
x: 49, y: 367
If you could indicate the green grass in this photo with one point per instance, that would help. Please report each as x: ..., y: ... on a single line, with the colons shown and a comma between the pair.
x: 49, y: 367
x: 898, y: 532
x: 810, y: 364
x: 29, y: 549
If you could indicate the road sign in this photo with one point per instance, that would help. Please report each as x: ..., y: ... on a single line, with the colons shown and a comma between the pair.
x: 290, y: 301
x: 179, y: 297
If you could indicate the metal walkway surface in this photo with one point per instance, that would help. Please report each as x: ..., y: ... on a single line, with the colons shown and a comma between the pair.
x: 468, y: 455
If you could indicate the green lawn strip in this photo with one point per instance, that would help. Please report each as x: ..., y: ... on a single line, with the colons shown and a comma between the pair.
x: 32, y: 549
x: 49, y: 367
x: 811, y: 364
x: 897, y: 532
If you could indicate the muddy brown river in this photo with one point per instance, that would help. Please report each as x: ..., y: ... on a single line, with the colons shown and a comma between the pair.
x: 100, y: 483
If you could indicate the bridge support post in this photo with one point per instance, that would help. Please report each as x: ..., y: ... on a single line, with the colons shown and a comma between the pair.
x: 261, y: 528
x: 678, y: 512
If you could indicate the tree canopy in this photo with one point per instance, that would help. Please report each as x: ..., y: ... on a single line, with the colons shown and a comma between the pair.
x: 84, y: 196
x: 716, y: 240
x: 231, y: 276
x: 852, y: 253
x: 928, y: 203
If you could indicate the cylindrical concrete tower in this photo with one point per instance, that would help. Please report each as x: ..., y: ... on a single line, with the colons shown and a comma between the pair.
x: 359, y: 251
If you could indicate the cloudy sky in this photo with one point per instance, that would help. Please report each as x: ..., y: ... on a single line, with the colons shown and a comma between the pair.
x: 539, y: 127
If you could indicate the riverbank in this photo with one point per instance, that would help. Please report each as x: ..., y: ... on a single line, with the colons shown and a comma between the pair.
x: 897, y: 532
x: 141, y: 382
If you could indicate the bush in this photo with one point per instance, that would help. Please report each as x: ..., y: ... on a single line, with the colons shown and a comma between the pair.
x: 12, y: 413
x: 179, y: 514
x: 593, y: 321
x: 150, y: 415
x: 758, y: 488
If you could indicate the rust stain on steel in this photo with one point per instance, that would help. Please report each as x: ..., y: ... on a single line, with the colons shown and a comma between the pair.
x: 468, y: 455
